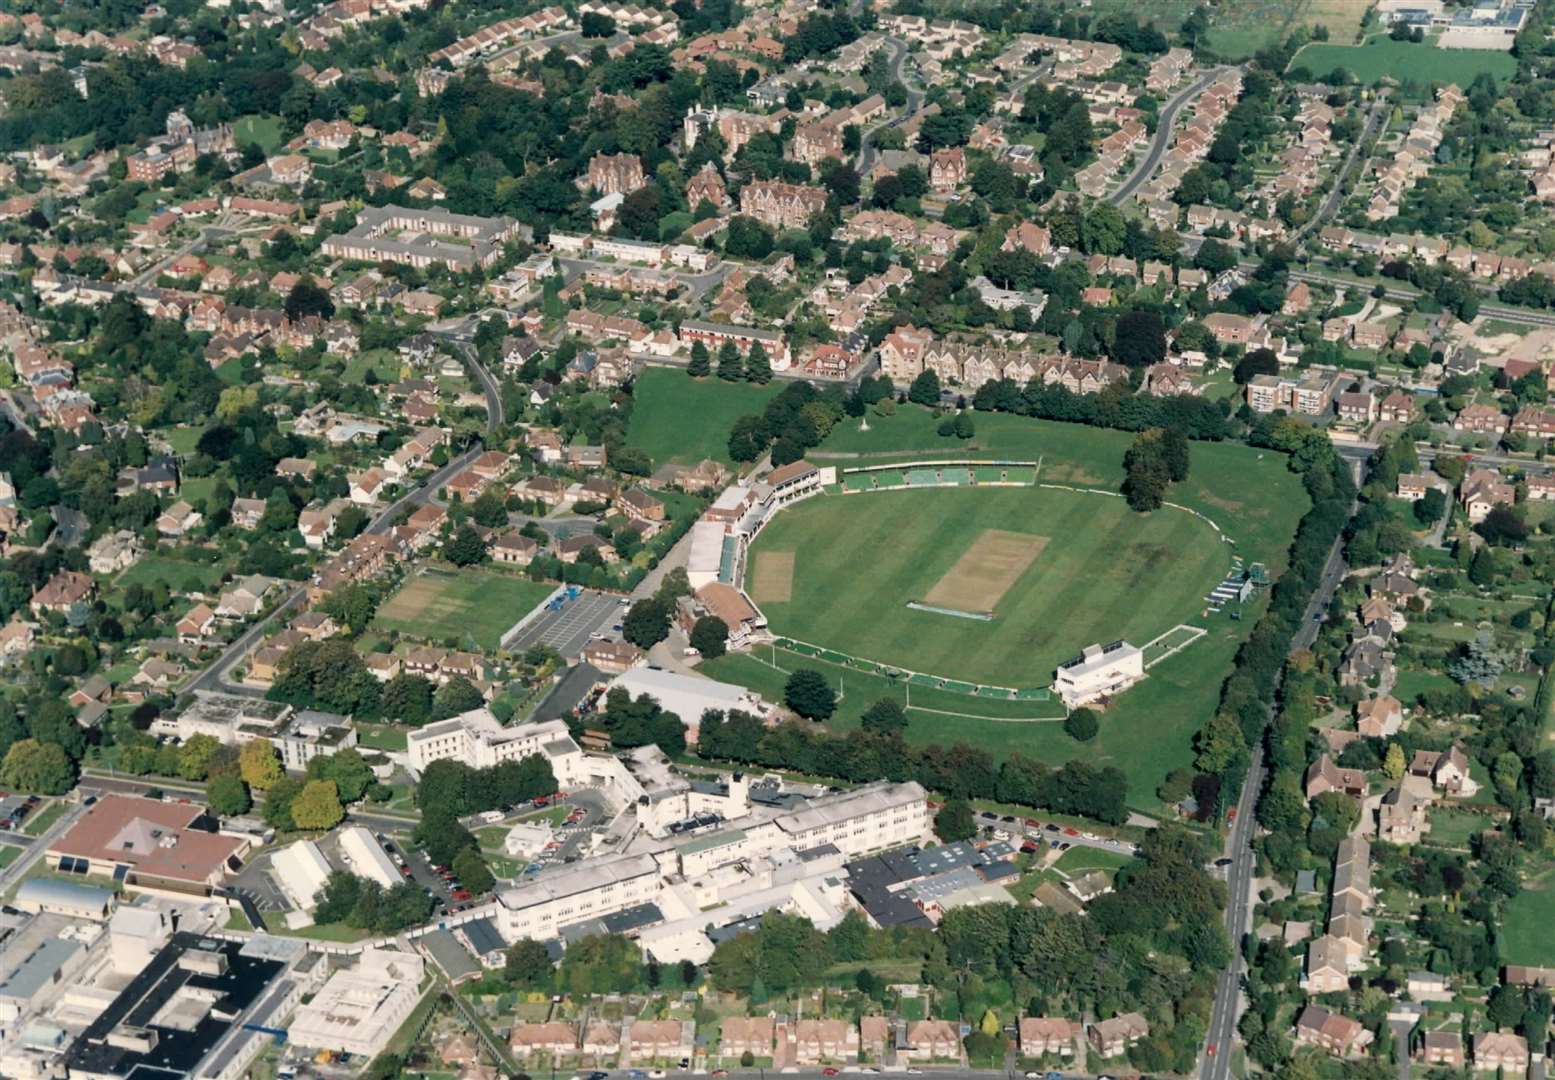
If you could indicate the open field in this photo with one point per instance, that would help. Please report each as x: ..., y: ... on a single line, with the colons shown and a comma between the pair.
x: 1107, y: 574
x: 470, y: 607
x: 1239, y: 28
x: 1525, y: 931
x: 1146, y: 733
x: 680, y: 420
x: 1249, y: 493
x: 1405, y: 62
x: 179, y: 575
x: 258, y: 128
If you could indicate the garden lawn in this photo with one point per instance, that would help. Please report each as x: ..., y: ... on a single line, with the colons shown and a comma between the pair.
x: 1077, y: 860
x: 1525, y: 931
x: 1406, y: 62
x: 39, y: 823
x: 680, y: 420
x: 467, y: 606
x: 258, y: 128
x: 380, y: 737
x: 1102, y: 573
x: 180, y: 575
x: 9, y: 854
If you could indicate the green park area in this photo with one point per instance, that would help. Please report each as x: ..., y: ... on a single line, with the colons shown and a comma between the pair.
x: 470, y: 608
x: 678, y: 420
x: 1404, y: 61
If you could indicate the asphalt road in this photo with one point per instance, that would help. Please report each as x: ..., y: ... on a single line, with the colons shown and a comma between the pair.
x: 1227, y: 1009
x: 867, y: 152
x: 1145, y: 168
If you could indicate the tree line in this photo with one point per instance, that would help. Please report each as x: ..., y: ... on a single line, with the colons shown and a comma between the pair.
x: 861, y: 755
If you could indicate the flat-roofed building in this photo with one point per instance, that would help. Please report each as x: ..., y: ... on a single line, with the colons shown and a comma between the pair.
x: 360, y: 1008
x: 1098, y: 672
x: 479, y: 739
x: 547, y: 902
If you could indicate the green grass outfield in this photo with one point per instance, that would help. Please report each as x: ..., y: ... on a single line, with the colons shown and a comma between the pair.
x: 1148, y: 731
x: 1406, y: 62
x: 1105, y: 573
x: 1249, y: 493
x: 680, y: 420
x: 469, y: 604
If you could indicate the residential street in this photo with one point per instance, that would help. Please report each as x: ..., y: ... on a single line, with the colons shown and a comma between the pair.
x: 1145, y: 167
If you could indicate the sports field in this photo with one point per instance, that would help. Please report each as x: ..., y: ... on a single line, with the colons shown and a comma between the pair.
x: 1405, y: 62
x: 680, y: 420
x: 1057, y: 570
x: 471, y: 607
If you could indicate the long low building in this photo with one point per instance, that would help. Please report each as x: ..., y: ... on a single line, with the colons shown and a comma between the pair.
x: 688, y: 696
x: 367, y: 857
x: 151, y: 845
x: 718, y: 861
x: 479, y: 739
x: 301, y: 870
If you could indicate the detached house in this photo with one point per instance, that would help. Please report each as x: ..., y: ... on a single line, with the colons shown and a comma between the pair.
x: 1112, y: 1038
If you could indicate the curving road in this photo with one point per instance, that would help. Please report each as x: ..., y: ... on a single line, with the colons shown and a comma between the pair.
x: 867, y: 152
x: 1145, y: 168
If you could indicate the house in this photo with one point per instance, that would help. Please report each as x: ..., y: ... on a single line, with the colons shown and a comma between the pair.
x: 874, y: 1034
x: 740, y: 1035
x: 816, y: 1042
x: 1482, y: 491
x: 514, y: 549
x: 639, y: 505
x: 1323, y: 775
x: 197, y: 624
x: 528, y: 1038
x: 660, y: 1040
x: 1500, y: 1050
x: 1338, y: 1035
x: 932, y: 1040
x: 1328, y: 966
x: 1042, y: 1035
x: 367, y: 487
x: 179, y: 519
x: 247, y: 513
x: 1398, y: 408
x: 1356, y: 407
x: 65, y: 589
x: 1229, y: 329
x: 1379, y: 717
x: 1112, y: 1038
x: 612, y: 657
x: 1445, y: 769
x: 1483, y: 419
x: 1402, y: 813
x: 114, y: 551
x: 1441, y: 1048
x: 1413, y: 486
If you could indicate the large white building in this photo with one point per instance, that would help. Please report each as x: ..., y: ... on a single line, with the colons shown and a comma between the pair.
x: 769, y: 850
x: 301, y: 870
x: 360, y: 1008
x: 478, y: 739
x: 688, y: 696
x: 367, y: 857
x: 1098, y: 672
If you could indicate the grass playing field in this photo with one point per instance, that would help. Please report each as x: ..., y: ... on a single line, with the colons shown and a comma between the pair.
x: 1147, y: 732
x: 1405, y: 62
x: 680, y: 420
x: 470, y: 607
x: 1057, y: 569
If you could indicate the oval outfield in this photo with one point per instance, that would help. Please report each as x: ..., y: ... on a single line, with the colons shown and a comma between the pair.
x: 1056, y: 570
